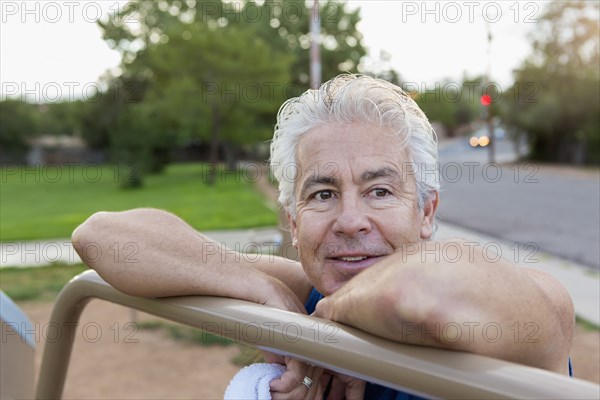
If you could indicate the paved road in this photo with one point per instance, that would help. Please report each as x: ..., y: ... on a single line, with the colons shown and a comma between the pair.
x: 557, y: 210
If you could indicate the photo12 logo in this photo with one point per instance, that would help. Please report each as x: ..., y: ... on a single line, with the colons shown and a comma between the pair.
x: 469, y: 11
x: 66, y: 11
x: 273, y: 331
x: 52, y: 332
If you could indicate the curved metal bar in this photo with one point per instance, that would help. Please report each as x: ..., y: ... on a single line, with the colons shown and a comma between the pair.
x: 420, y: 370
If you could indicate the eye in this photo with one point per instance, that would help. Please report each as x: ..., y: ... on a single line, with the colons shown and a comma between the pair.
x: 323, y: 195
x: 380, y: 192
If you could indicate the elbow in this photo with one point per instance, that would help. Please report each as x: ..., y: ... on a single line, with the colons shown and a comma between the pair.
x: 92, y: 241
x: 103, y: 226
x: 86, y: 236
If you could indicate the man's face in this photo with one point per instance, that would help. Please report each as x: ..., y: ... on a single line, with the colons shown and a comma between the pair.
x: 356, y: 202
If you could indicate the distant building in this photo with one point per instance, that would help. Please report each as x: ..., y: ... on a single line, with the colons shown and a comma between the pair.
x: 62, y: 149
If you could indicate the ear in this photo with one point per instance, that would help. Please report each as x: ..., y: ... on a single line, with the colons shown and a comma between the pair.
x: 292, y: 225
x: 429, y: 210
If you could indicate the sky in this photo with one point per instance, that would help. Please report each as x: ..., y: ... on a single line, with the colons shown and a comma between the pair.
x: 54, y: 50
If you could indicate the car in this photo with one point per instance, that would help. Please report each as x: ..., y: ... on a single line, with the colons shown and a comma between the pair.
x: 481, y: 138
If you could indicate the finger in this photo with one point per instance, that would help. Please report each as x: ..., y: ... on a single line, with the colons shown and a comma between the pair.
x: 273, y: 358
x: 295, y: 373
x: 337, y: 389
x: 316, y: 390
x: 299, y: 390
x: 319, y: 392
x: 346, y: 387
x: 355, y: 389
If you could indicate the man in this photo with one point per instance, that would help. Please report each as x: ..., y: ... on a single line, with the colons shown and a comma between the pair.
x: 356, y: 165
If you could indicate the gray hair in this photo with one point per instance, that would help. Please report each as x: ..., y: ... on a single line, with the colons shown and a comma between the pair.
x: 350, y: 99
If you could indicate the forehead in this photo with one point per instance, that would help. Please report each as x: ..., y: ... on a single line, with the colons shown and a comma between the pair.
x: 355, y: 145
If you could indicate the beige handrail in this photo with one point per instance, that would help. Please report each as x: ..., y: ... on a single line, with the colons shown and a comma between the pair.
x: 427, y: 371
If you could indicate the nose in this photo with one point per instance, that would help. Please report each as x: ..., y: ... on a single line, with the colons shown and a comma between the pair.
x: 352, y: 218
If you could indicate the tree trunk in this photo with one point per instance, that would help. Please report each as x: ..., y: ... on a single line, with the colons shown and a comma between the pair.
x: 230, y: 156
x: 214, y: 144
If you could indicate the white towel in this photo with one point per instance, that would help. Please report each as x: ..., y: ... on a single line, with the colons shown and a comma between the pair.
x: 253, y: 382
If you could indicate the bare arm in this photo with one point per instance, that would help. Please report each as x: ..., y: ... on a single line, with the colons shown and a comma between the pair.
x: 470, y: 304
x: 152, y: 253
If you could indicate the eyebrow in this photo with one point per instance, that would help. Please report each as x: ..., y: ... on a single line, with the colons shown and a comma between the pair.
x: 315, y: 181
x: 384, y: 172
x: 365, y: 177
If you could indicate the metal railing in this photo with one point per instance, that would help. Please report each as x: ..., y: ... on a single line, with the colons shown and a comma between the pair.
x: 420, y: 370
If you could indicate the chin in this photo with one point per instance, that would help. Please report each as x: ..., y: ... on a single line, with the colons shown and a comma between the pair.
x: 332, y: 287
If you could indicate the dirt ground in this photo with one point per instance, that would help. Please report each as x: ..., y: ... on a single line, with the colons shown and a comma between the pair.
x: 113, y: 360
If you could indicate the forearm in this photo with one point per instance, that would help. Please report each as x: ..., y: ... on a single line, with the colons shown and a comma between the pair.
x: 166, y: 257
x: 469, y: 305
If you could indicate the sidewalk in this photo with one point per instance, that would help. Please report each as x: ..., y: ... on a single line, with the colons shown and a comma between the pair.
x: 41, y: 253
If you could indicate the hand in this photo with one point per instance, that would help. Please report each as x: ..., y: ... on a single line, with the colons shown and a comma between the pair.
x: 368, y: 300
x: 290, y: 386
x: 277, y: 295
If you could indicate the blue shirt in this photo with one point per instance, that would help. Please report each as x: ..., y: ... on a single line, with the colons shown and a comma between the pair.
x: 373, y: 391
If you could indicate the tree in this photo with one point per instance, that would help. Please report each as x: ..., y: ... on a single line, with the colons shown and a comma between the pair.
x: 63, y: 118
x: 452, y: 105
x: 19, y: 120
x: 282, y: 25
x: 557, y: 89
x: 221, y: 93
x: 216, y: 71
x: 285, y: 26
x: 109, y: 122
x: 201, y: 78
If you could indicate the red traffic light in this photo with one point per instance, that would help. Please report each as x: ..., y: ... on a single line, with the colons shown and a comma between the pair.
x: 486, y: 100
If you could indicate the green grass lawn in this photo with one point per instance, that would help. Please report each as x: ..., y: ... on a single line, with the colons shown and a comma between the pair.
x: 44, y: 203
x: 40, y: 284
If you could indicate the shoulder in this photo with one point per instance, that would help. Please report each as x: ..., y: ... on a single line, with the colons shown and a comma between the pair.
x: 559, y: 297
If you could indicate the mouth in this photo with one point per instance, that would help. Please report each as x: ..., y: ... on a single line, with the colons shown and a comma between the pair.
x: 354, y: 261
